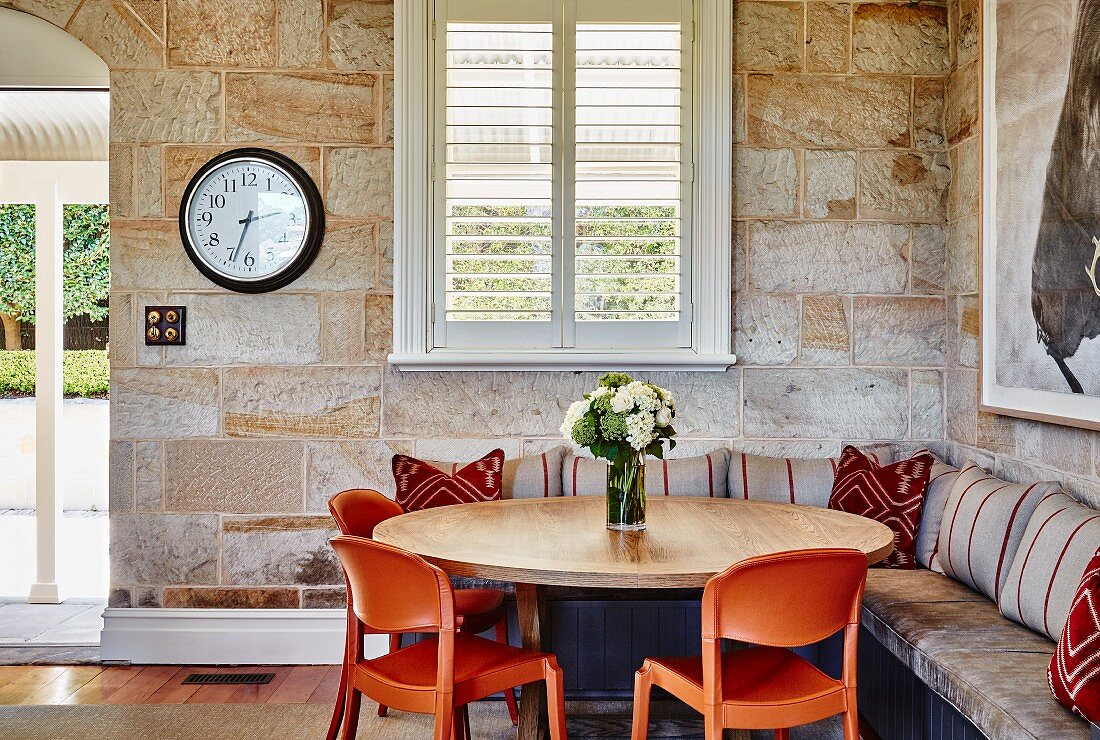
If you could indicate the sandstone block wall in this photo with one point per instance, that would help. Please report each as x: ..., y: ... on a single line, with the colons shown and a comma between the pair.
x: 224, y: 452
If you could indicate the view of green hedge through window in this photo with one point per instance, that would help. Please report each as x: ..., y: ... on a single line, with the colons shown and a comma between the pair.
x: 87, y: 374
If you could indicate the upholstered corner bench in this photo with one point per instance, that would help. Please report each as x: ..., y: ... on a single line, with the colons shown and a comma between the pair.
x: 938, y: 659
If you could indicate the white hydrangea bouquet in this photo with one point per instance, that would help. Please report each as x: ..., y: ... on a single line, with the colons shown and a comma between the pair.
x: 622, y: 421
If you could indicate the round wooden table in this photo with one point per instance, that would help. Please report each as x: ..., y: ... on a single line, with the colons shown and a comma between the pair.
x: 563, y: 541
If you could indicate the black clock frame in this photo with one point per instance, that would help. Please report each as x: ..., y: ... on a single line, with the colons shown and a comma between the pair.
x: 310, y: 246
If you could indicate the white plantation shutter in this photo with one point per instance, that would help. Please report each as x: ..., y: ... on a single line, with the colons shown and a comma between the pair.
x: 562, y: 174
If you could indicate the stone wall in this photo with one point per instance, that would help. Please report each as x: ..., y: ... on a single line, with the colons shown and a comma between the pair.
x: 225, y: 451
x: 1014, y: 449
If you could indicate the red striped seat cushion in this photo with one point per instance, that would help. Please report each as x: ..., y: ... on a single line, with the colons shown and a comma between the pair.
x: 1060, y: 539
x: 420, y: 485
x: 529, y: 476
x: 982, y: 527
x: 704, y: 475
x: 791, y: 480
x: 1074, y: 672
x: 890, y: 494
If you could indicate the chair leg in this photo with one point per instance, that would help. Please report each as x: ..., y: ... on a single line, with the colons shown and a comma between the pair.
x: 555, y: 702
x: 643, y: 684
x: 459, y: 725
x: 851, y: 724
x: 351, y: 712
x: 783, y: 733
x: 712, y: 723
x: 466, y: 722
x: 445, y: 718
x: 509, y: 694
x: 395, y: 645
x: 338, y: 708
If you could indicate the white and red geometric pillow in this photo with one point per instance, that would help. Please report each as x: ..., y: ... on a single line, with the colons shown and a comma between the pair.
x: 892, y: 495
x: 420, y: 485
x: 1074, y: 672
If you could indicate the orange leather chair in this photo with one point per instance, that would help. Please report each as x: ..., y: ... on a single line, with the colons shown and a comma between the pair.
x: 357, y: 512
x: 773, y: 602
x: 394, y: 592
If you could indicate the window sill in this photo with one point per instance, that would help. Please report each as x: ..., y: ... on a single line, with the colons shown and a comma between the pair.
x: 534, y: 360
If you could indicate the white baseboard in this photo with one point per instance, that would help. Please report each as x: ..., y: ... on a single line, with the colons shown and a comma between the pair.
x: 228, y: 636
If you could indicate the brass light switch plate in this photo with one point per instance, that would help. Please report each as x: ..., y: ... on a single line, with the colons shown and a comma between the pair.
x: 165, y: 324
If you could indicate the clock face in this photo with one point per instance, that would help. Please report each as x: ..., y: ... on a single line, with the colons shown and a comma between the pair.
x: 250, y: 220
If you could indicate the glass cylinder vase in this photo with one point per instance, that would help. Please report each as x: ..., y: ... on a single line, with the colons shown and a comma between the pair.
x: 626, y: 493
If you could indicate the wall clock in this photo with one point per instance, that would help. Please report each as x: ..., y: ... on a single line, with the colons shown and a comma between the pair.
x: 251, y: 220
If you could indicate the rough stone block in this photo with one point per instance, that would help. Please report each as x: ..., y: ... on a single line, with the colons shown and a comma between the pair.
x: 231, y: 598
x: 387, y: 109
x: 962, y: 106
x: 324, y: 598
x: 332, y: 467
x: 765, y: 182
x: 927, y: 404
x: 1064, y: 448
x: 899, y: 331
x: 120, y: 471
x: 961, y: 393
x: 147, y: 255
x: 828, y: 111
x: 903, y: 185
x: 964, y: 195
x: 301, y: 33
x: 121, y: 180
x: 830, y: 184
x: 928, y: 129
x: 114, y: 32
x: 148, y: 202
x: 378, y: 339
x: 464, y: 450
x: 57, y: 12
x: 164, y: 403
x: 279, y: 550
x: 962, y: 255
x: 834, y: 403
x: 267, y: 329
x: 146, y: 597
x: 207, y: 33
x: 233, y: 476
x: 768, y: 36
x: 151, y: 13
x: 969, y: 326
x: 360, y: 35
x: 301, y: 402
x: 900, y: 38
x: 165, y: 106
x: 182, y: 162
x: 969, y: 34
x: 767, y: 329
x: 929, y: 258
x: 828, y: 257
x: 312, y: 106
x: 385, y: 255
x: 348, y: 259
x: 121, y: 330
x: 828, y: 39
x: 342, y: 332
x: 826, y: 333
x: 359, y: 182
x: 158, y: 549
x: 149, y: 476
x: 996, y: 434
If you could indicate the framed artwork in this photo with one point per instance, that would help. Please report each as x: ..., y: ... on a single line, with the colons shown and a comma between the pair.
x: 1041, y: 211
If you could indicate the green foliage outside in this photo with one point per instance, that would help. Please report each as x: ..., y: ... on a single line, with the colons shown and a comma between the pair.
x: 86, y: 373
x: 86, y: 267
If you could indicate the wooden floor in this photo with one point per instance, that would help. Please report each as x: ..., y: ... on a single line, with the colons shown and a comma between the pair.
x: 162, y: 685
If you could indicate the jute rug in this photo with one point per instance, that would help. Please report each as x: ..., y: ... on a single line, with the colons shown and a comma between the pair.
x: 307, y: 722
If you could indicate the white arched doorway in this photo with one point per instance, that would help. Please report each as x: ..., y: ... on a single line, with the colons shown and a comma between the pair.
x: 53, y: 152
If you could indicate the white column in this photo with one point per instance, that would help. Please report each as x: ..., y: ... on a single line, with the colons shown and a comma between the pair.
x: 48, y: 263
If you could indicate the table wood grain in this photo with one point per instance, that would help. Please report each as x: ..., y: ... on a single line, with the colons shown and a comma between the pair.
x: 563, y: 541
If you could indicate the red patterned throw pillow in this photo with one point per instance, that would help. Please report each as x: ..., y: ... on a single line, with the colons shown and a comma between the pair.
x: 890, y: 494
x: 1074, y: 672
x: 421, y: 485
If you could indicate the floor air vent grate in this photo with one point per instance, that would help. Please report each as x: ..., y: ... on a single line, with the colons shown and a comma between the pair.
x: 234, y: 679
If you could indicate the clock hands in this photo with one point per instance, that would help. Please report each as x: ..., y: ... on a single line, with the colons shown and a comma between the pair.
x: 246, y: 221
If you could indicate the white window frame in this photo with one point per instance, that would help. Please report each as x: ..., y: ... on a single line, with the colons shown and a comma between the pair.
x: 710, y: 214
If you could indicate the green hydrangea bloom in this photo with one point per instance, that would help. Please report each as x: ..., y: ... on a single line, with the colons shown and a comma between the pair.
x: 613, y: 427
x: 584, y: 431
x: 602, y: 405
x: 615, y: 380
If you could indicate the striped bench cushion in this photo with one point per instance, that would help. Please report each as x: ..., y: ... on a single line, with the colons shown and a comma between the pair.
x: 704, y: 475
x: 935, y: 502
x: 530, y: 476
x: 982, y: 527
x: 791, y: 480
x: 1060, y: 540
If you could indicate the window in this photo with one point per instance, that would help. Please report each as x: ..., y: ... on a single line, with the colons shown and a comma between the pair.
x: 546, y: 180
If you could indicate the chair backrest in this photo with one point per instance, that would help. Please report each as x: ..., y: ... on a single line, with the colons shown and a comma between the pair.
x: 393, y: 590
x: 358, y: 511
x: 786, y: 599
